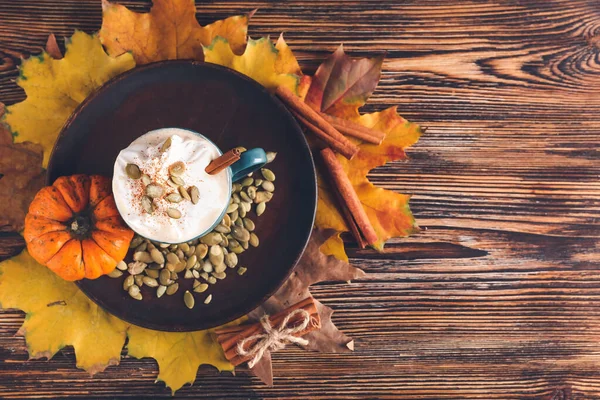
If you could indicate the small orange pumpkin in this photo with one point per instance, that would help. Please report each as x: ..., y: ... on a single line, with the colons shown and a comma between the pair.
x: 74, y: 228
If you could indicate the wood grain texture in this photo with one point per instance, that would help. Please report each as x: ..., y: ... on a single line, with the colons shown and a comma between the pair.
x: 499, y: 296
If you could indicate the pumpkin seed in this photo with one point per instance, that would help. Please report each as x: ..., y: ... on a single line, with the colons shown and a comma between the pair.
x: 243, y: 213
x: 115, y: 273
x: 263, y: 197
x: 137, y: 267
x: 180, y: 267
x: 251, y: 191
x: 172, y: 184
x: 165, y: 146
x: 244, y: 244
x: 231, y: 260
x: 191, y: 261
x: 174, y: 276
x: 204, y: 275
x: 173, y: 213
x: 188, y: 274
x: 164, y: 245
x: 260, y: 208
x: 234, y: 216
x: 235, y: 198
x: 142, y: 256
x: 154, y: 266
x: 268, y: 186
x: 201, y: 251
x: 236, y: 187
x: 241, y: 270
x: 157, y: 256
x: 254, y: 242
x: 188, y: 299
x: 136, y: 241
x: 133, y: 290
x: 232, y: 207
x: 184, y: 247
x: 212, y: 280
x: 150, y: 247
x: 146, y: 180
x: 139, y: 280
x: 258, y: 182
x: 165, y: 277
x: 244, y: 196
x: 226, y: 220
x: 247, y: 207
x: 247, y: 182
x: 172, y: 258
x: 141, y: 247
x: 174, y: 198
x: 220, y: 268
x: 133, y: 171
x: 215, y: 255
x: 177, y: 168
x: 172, y: 289
x: 184, y: 193
x: 150, y: 282
x: 128, y: 282
x: 194, y: 194
x: 202, y: 287
x: 195, y: 274
x: 207, y: 266
x: 152, y: 273
x: 211, y: 239
x: 122, y: 265
x: 160, y: 291
x: 190, y: 251
x: 249, y: 224
x: 177, y: 180
x: 241, y: 234
x: 180, y: 254
x: 222, y: 228
x: 219, y: 275
x: 208, y: 299
x: 154, y: 191
x: 267, y: 174
x: 225, y: 241
x: 147, y: 204
x: 271, y: 156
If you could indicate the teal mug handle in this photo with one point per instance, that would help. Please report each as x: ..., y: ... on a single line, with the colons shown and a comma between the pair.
x: 250, y: 161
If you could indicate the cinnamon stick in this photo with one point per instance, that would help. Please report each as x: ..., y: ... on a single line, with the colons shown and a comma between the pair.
x: 229, y: 337
x: 220, y: 163
x: 355, y: 212
x: 340, y: 143
x: 355, y: 130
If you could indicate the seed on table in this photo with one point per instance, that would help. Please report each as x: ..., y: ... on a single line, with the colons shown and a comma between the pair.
x: 141, y: 247
x: 268, y: 186
x: 128, y: 282
x: 235, y: 198
x: 211, y: 239
x: 147, y: 204
x: 154, y: 191
x: 242, y: 213
x: 150, y: 282
x: 160, y: 291
x: 249, y: 224
x: 172, y: 258
x: 172, y: 288
x: 150, y: 247
x: 247, y: 207
x: 133, y: 171
x: 202, y: 287
x: 232, y: 207
x: 247, y: 182
x: 194, y: 194
x: 115, y: 273
x: 219, y: 275
x: 164, y: 245
x: 177, y: 168
x: 271, y: 156
x: 236, y: 187
x: 195, y: 274
x: 136, y: 241
x: 157, y: 256
x: 133, y: 290
x: 139, y: 280
x: 231, y: 260
x: 171, y: 267
x: 191, y: 261
x: 174, y: 198
x: 174, y: 276
x: 180, y: 254
x: 188, y: 299
x: 146, y: 180
x: 267, y: 174
x: 251, y: 191
x: 239, y: 233
x: 165, y: 277
x: 173, y: 213
x: 244, y: 244
x: 207, y: 266
x: 234, y: 216
x: 241, y: 270
x: 137, y: 267
x: 260, y: 208
x: 188, y: 274
x: 208, y: 299
x: 204, y: 275
x: 225, y: 241
x: 212, y: 280
x: 180, y: 267
x: 220, y: 268
x: 258, y: 182
x: 226, y: 220
x: 190, y: 251
x: 222, y: 228
x: 142, y: 256
x: 184, y: 247
x: 152, y: 273
x: 244, y: 196
x: 215, y: 255
x: 253, y: 240
x: 263, y: 197
x: 201, y: 251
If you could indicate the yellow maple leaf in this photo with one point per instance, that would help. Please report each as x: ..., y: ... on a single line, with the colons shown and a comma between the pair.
x: 55, y: 88
x: 261, y: 61
x: 169, y: 31
x: 59, y: 314
x: 178, y: 354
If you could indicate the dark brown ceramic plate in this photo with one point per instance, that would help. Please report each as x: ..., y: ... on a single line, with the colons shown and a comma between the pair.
x: 231, y: 110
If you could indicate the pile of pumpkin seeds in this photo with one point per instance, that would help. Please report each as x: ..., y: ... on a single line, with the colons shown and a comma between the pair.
x: 205, y: 260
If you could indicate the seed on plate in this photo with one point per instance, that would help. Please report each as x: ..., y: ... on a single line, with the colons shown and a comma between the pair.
x: 165, y: 277
x: 258, y: 182
x: 164, y: 245
x: 184, y: 247
x: 139, y: 280
x: 154, y: 191
x: 184, y: 193
x: 251, y: 191
x: 152, y: 273
x: 226, y: 220
x: 133, y: 290
x: 244, y: 196
x: 151, y: 247
x: 236, y: 187
x: 173, y: 213
x: 232, y: 207
x: 147, y: 204
x: 247, y: 206
x: 191, y: 261
x: 253, y: 240
x: 160, y: 291
x: 195, y: 274
x: 222, y: 228
x: 172, y: 289
x: 174, y: 276
x: 188, y: 299
x: 146, y: 180
x: 242, y: 212
x: 231, y: 260
x: 271, y: 156
x: 188, y: 274
x: 211, y: 239
x: 177, y: 168
x: 136, y: 241
x: 239, y: 233
x: 235, y: 198
x: 142, y: 256
x: 242, y: 270
x: 207, y: 266
x: 115, y: 273
x: 150, y: 282
x: 136, y: 267
x: 174, y: 198
x: 128, y: 282
x: 194, y: 194
x: 157, y: 256
x: 133, y: 171
x: 180, y: 254
x: 247, y: 182
x: 268, y: 186
x: 244, y: 244
x: 154, y: 266
x: 208, y: 299
x: 215, y: 255
x: 225, y: 241
x: 204, y: 275
x: 180, y: 267
x: 260, y: 208
x: 122, y: 265
x: 267, y: 174
x: 201, y: 251
x: 263, y: 197
x: 202, y: 287
x: 189, y: 252
x: 212, y: 280
x: 249, y: 224
x: 172, y: 258
x: 165, y: 146
x: 219, y: 275
x: 177, y: 180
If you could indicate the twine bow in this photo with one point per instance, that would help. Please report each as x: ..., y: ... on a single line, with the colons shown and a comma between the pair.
x: 274, y: 338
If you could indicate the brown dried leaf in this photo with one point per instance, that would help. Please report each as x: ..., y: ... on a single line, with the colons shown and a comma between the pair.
x: 312, y: 268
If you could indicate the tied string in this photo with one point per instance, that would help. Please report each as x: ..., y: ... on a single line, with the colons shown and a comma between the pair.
x: 274, y: 338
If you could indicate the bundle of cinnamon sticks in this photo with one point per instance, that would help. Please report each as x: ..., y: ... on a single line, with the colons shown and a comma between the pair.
x: 331, y: 131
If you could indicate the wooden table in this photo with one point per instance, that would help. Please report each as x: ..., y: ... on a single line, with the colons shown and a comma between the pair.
x: 498, y: 297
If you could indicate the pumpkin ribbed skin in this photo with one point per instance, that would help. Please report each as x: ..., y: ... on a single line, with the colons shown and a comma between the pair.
x: 74, y: 228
